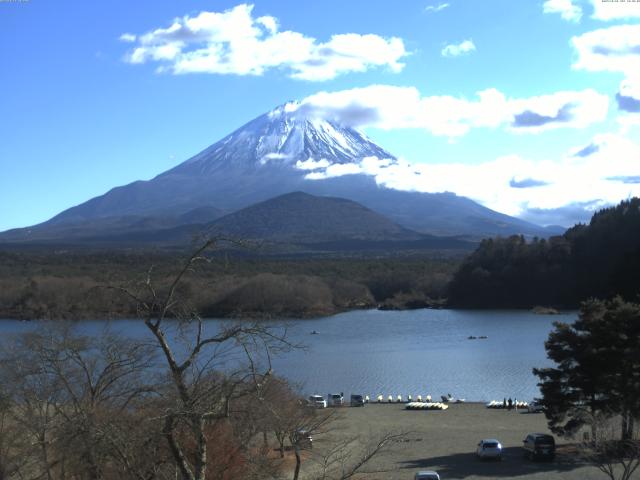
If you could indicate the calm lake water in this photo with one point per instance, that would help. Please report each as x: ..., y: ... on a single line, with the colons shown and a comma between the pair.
x: 399, y: 353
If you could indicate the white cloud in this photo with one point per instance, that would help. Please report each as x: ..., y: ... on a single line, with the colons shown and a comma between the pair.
x: 273, y: 156
x: 575, y: 109
x: 630, y: 87
x: 436, y: 8
x: 566, y: 8
x: 128, y: 37
x: 391, y: 107
x: 613, y: 49
x: 276, y: 156
x: 335, y: 170
x: 607, y: 10
x: 455, y: 50
x: 311, y: 164
x: 233, y: 42
x: 577, y: 184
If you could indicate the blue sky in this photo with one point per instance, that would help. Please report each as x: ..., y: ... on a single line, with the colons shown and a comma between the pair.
x: 89, y: 102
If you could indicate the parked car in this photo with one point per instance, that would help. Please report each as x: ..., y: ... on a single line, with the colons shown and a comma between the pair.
x: 317, y: 401
x: 539, y: 445
x: 336, y: 399
x: 427, y: 475
x: 535, y: 407
x: 357, y: 401
x: 304, y: 439
x: 489, y: 448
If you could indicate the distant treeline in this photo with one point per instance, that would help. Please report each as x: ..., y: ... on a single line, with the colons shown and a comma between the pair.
x: 600, y: 260
x: 72, y: 285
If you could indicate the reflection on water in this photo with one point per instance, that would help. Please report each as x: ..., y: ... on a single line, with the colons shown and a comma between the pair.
x: 400, y: 353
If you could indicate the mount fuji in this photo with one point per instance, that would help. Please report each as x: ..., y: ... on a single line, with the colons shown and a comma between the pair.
x: 285, y: 150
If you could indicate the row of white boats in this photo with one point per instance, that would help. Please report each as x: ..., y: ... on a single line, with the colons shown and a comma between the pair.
x: 399, y: 399
x: 505, y: 404
x: 426, y: 406
x: 419, y: 399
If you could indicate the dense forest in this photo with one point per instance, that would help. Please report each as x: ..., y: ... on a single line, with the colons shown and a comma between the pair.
x: 73, y: 285
x: 601, y: 259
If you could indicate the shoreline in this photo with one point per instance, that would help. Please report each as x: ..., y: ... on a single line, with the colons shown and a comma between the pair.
x: 263, y: 316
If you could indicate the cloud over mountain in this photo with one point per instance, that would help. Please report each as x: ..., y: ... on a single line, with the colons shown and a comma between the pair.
x: 391, y: 107
x: 235, y: 42
x: 531, y: 189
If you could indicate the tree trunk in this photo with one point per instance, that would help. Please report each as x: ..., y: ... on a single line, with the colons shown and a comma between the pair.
x: 298, y: 462
x: 201, y: 453
x: 176, y: 451
x: 627, y: 426
x: 281, y: 439
x: 631, y: 425
x: 45, y: 454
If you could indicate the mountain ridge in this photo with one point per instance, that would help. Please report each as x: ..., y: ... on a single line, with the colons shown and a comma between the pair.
x: 269, y: 156
x: 303, y: 218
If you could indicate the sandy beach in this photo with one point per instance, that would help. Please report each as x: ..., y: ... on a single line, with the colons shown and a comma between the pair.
x: 445, y: 441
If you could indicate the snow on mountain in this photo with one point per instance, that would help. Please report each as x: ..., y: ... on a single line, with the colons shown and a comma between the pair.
x: 284, y: 137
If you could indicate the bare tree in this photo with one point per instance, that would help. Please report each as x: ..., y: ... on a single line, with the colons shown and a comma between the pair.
x: 304, y: 423
x: 184, y: 404
x: 73, y: 395
x: 209, y: 368
x: 13, y: 442
x: 617, y: 459
x: 344, y: 459
x: 30, y: 405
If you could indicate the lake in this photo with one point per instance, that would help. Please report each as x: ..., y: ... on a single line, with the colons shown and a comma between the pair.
x: 404, y: 352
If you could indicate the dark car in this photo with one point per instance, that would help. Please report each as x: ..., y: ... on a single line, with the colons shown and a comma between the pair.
x: 304, y: 439
x: 357, y: 401
x: 535, y: 407
x: 539, y: 445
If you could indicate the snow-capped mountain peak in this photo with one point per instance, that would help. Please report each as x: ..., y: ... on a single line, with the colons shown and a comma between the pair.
x: 283, y: 137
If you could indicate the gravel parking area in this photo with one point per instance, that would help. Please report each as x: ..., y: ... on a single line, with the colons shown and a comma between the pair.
x: 445, y: 441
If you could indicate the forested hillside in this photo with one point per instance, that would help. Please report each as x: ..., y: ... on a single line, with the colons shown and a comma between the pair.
x: 601, y: 259
x: 70, y: 285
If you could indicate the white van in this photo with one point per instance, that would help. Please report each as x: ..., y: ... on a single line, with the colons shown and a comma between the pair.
x: 335, y: 399
x: 317, y: 401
